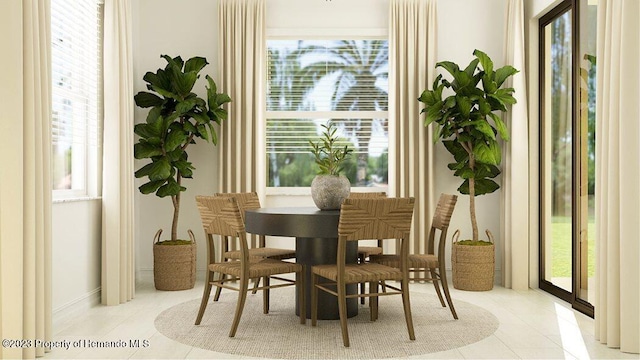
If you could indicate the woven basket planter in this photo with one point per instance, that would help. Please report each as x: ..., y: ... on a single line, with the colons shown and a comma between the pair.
x: 174, y: 266
x: 473, y: 266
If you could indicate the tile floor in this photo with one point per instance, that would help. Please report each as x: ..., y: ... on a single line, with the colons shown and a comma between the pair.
x: 533, y: 325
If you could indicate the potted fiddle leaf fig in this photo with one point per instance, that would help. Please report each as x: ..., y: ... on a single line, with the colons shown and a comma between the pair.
x: 467, y: 123
x: 176, y: 118
x: 329, y: 188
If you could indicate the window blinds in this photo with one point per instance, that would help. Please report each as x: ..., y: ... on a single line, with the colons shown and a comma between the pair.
x: 311, y: 82
x: 76, y: 37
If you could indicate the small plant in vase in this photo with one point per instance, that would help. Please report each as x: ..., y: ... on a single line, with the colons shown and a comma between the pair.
x: 470, y: 130
x: 329, y: 188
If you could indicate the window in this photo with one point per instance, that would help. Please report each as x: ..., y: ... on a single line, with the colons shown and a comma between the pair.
x: 76, y: 37
x: 311, y: 82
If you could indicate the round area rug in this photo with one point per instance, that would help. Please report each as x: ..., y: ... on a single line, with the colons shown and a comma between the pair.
x: 279, y: 334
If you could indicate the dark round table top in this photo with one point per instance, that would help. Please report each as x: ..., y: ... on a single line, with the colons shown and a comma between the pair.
x: 306, y: 222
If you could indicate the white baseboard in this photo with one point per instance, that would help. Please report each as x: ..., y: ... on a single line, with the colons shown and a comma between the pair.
x: 78, y: 305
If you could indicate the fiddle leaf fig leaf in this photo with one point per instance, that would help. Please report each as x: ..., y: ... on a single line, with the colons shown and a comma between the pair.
x: 495, y: 148
x: 481, y: 187
x: 145, y: 131
x: 485, y: 186
x: 143, y: 150
x: 465, y: 173
x: 458, y: 152
x: 489, y: 85
x: 500, y: 126
x: 195, y: 64
x: 220, y: 114
x: 504, y: 95
x: 160, y: 170
x: 428, y: 97
x: 159, y: 79
x: 503, y: 73
x: 471, y: 68
x: 186, y: 105
x: 164, y: 92
x: 144, y: 171
x: 201, y: 118
x: 483, y: 153
x: 151, y: 186
x: 146, y: 99
x: 486, y: 171
x: 185, y: 168
x: 464, y: 106
x: 451, y: 67
x: 171, y: 188
x: 214, y: 135
x: 485, y: 61
x: 174, y: 139
x: 484, y: 128
x: 433, y: 114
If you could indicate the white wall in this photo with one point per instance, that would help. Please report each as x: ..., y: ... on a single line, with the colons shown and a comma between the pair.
x: 76, y: 248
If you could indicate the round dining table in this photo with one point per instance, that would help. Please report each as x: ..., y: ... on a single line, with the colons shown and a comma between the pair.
x: 316, y: 237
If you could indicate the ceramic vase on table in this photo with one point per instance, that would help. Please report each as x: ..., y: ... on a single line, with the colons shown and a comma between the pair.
x: 329, y: 191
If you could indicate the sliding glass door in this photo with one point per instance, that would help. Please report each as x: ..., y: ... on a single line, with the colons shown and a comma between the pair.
x: 567, y: 161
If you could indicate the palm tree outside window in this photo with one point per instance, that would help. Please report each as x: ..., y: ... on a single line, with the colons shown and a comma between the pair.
x: 311, y: 82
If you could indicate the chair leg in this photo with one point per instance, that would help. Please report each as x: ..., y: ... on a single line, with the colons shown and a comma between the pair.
x: 301, y: 297
x: 342, y: 309
x: 407, y: 308
x: 434, y: 280
x: 373, y: 301
x: 445, y: 287
x: 362, y: 287
x: 265, y: 296
x: 205, y: 297
x: 256, y: 284
x: 314, y: 300
x: 242, y: 296
x: 216, y: 297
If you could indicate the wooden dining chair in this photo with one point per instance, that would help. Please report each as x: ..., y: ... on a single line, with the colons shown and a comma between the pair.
x: 222, y: 216
x: 362, y: 219
x: 365, y: 251
x: 250, y: 201
x: 430, y: 264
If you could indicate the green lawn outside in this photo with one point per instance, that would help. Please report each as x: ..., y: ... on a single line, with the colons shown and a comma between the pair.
x: 561, y: 247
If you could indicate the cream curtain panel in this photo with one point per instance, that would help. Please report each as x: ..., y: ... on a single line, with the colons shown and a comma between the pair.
x: 241, y: 26
x: 617, y: 314
x: 118, y: 271
x: 515, y: 175
x: 36, y: 311
x: 25, y: 213
x: 412, y: 61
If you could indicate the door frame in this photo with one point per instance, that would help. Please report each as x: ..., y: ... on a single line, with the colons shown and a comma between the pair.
x: 568, y: 296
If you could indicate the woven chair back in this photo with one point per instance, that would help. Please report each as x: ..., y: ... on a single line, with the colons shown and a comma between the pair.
x: 220, y: 216
x: 367, y: 195
x: 381, y: 218
x: 246, y: 200
x: 440, y: 221
x: 444, y: 210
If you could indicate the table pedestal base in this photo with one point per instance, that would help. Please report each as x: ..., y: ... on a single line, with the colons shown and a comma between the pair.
x: 319, y: 251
